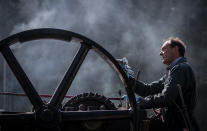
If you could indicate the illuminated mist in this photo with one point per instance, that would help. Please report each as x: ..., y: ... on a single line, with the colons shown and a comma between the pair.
x: 132, y: 29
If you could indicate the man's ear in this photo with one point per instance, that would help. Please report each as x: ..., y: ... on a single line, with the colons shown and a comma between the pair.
x: 176, y: 49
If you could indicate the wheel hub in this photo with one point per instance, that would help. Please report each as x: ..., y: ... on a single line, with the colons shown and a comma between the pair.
x: 48, y: 116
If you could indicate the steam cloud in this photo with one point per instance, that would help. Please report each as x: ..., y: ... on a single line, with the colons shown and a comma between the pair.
x: 132, y: 29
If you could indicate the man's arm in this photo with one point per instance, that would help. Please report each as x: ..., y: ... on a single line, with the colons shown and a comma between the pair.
x: 169, y: 93
x: 144, y: 90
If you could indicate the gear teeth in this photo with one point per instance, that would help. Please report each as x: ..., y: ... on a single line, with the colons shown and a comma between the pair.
x: 85, y: 94
x: 95, y: 100
x: 91, y: 94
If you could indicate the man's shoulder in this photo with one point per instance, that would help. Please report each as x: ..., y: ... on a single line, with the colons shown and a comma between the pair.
x: 181, y: 66
x: 184, y: 65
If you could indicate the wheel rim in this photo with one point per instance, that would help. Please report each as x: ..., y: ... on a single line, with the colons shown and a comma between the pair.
x: 61, y: 90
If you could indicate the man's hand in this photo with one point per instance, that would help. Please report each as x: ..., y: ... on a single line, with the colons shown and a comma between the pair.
x: 124, y: 64
x: 138, y: 98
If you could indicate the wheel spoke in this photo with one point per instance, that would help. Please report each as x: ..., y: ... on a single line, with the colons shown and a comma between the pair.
x: 45, y: 112
x: 96, y: 115
x: 67, y: 80
x: 22, y: 77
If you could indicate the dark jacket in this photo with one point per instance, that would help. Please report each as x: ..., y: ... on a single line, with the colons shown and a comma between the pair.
x: 164, y: 94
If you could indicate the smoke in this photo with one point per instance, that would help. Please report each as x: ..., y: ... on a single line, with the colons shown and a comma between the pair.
x: 116, y: 26
x: 132, y: 29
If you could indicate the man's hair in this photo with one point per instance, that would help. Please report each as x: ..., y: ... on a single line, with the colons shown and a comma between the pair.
x: 175, y: 41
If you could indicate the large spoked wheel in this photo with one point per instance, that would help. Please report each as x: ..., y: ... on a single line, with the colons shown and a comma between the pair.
x: 49, y: 116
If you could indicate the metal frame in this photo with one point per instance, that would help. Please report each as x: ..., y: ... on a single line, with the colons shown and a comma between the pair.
x: 49, y: 115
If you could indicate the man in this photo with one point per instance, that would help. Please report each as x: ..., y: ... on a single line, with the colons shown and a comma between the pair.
x: 165, y: 94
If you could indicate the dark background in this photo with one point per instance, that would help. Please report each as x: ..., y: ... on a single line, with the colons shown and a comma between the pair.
x: 134, y: 29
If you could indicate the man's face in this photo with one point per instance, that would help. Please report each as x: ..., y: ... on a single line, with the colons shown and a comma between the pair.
x: 168, y: 53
